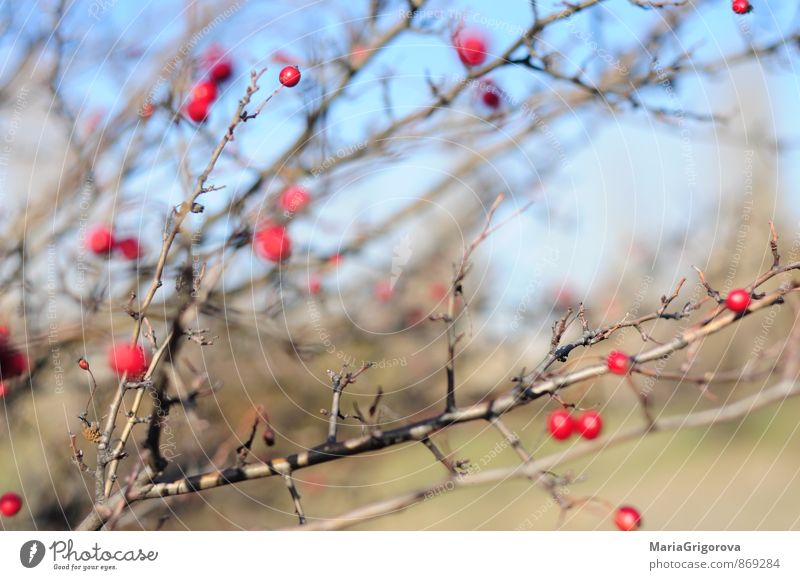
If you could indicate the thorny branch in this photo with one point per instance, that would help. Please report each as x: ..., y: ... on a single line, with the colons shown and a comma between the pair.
x: 575, y: 90
x: 526, y: 391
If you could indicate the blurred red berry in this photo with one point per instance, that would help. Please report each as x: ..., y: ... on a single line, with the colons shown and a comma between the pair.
x: 289, y: 76
x: 589, y: 424
x: 741, y: 6
x: 314, y: 284
x: 273, y: 243
x: 358, y: 54
x: 618, y: 362
x: 221, y: 71
x: 13, y: 363
x: 204, y: 91
x: 147, y: 110
x: 335, y: 260
x: 130, y: 359
x: 197, y: 110
x: 129, y: 248
x: 738, y: 300
x: 471, y: 47
x: 560, y: 424
x: 490, y: 95
x: 220, y: 67
x: 100, y: 240
x: 414, y: 316
x: 564, y: 297
x: 10, y: 504
x: 283, y: 57
x: 3, y: 390
x: 295, y: 199
x: 383, y: 290
x: 438, y: 291
x: 628, y: 519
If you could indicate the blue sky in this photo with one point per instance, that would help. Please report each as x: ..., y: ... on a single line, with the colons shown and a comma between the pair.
x: 627, y: 178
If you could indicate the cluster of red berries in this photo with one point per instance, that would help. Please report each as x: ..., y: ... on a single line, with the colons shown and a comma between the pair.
x: 471, y: 48
x: 13, y: 361
x: 204, y: 93
x: 589, y: 425
x: 741, y: 6
x: 101, y: 241
x: 10, y: 504
x: 561, y: 425
x: 271, y: 240
x: 127, y: 359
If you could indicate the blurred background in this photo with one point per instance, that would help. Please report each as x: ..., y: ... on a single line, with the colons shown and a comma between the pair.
x: 647, y: 141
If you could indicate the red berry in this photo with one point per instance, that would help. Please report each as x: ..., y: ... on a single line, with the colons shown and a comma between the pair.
x: 10, y: 504
x: 147, y: 110
x: 564, y: 297
x: 471, y: 47
x: 491, y: 99
x: 273, y: 243
x: 204, y: 91
x: 618, y: 362
x: 197, y: 110
x: 438, y: 291
x: 589, y: 424
x: 128, y: 358
x: 290, y: 76
x: 13, y: 363
x: 359, y: 53
x: 560, y: 424
x: 220, y: 67
x: 130, y: 248
x: 628, y: 519
x: 415, y: 316
x: 295, y: 199
x: 3, y: 390
x: 738, y: 300
x: 284, y: 57
x: 490, y: 95
x: 83, y: 363
x: 314, y: 284
x: 100, y: 240
x: 741, y: 6
x: 221, y: 71
x: 335, y: 260
x: 384, y: 291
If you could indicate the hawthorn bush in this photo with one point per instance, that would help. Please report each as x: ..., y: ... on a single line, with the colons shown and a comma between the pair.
x: 398, y: 264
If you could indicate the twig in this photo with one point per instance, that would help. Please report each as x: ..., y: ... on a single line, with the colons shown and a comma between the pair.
x: 437, y: 453
x: 340, y: 381
x: 298, y: 507
x: 728, y: 412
